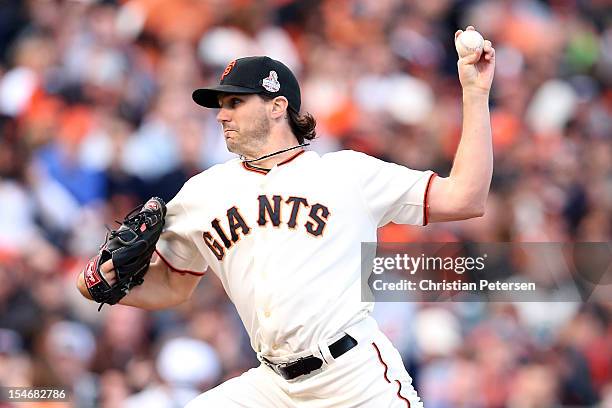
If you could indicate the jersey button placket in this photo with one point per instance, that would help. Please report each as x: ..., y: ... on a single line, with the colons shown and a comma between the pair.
x: 263, y: 183
x: 263, y: 287
x: 262, y: 284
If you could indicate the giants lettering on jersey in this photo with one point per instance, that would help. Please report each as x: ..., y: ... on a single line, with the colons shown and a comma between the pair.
x: 271, y: 213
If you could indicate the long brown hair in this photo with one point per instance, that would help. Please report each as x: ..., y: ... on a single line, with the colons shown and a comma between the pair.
x: 302, y: 125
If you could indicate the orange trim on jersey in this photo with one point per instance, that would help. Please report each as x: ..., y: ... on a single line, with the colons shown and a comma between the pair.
x: 387, y: 378
x: 173, y: 269
x: 249, y: 167
x: 291, y: 158
x: 246, y: 166
x: 425, y: 206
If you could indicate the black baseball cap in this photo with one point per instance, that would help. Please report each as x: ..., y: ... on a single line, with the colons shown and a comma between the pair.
x: 253, y: 75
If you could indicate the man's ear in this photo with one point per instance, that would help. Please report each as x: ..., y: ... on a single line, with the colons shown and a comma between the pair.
x: 279, y: 107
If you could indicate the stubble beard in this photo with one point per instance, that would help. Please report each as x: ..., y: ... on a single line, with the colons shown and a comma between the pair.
x: 251, y: 141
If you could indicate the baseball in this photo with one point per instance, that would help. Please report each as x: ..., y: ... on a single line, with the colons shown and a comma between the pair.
x: 468, y: 42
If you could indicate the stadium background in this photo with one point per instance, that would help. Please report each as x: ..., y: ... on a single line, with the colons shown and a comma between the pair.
x: 96, y: 116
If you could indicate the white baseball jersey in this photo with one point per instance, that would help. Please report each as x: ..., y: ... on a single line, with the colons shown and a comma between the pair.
x: 286, y: 244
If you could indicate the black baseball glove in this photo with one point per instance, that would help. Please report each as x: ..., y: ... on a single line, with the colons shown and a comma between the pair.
x: 130, y: 247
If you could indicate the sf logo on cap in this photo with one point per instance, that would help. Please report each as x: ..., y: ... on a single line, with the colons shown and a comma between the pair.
x: 271, y: 82
x: 228, y: 69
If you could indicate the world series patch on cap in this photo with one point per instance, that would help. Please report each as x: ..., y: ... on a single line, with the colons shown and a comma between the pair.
x: 253, y: 75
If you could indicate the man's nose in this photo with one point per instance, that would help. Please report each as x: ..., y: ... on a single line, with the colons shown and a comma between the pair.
x: 223, y: 115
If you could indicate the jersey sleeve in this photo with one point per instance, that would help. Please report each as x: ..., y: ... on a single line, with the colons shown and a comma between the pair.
x: 392, y: 193
x: 177, y: 244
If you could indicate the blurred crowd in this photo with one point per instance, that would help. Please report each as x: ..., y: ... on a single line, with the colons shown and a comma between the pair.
x: 96, y: 116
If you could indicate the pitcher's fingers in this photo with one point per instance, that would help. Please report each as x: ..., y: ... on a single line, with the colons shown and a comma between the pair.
x: 107, y: 266
x: 470, y: 59
x: 457, y: 34
x: 111, y: 277
x: 107, y: 269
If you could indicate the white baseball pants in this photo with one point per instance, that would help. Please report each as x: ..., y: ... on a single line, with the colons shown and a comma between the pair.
x: 370, y: 375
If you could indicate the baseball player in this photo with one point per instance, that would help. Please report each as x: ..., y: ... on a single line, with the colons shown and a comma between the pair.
x: 281, y: 227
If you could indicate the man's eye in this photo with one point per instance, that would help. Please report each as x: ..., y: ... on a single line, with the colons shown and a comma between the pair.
x: 235, y: 102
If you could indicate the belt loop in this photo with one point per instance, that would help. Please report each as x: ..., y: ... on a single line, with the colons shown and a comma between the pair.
x: 325, y: 353
x: 260, y: 357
